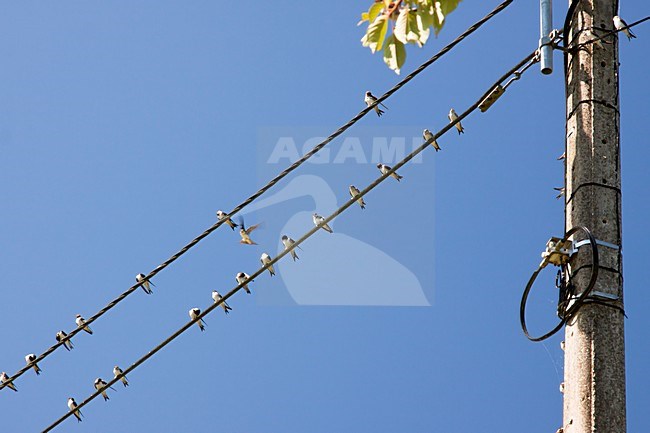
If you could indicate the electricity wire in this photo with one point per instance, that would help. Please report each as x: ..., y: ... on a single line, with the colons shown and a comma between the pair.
x: 532, y: 57
x: 266, y: 187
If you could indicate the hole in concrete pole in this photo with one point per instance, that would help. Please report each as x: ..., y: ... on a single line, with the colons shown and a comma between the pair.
x: 603, y: 64
x: 604, y: 141
x: 604, y: 221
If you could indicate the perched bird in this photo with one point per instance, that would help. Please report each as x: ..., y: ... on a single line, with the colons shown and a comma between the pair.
x: 243, y: 277
x: 146, y: 284
x: 453, y: 116
x: 427, y: 135
x: 385, y: 169
x: 620, y: 24
x: 4, y: 378
x: 318, y: 220
x: 73, y: 407
x: 245, y: 232
x: 354, y: 191
x: 30, y: 359
x: 217, y: 297
x: 194, y: 313
x: 371, y: 99
x: 221, y: 215
x: 266, y: 259
x: 288, y: 242
x: 116, y: 372
x: 80, y: 321
x: 561, y: 192
x: 99, y: 384
x: 561, y: 157
x: 68, y: 343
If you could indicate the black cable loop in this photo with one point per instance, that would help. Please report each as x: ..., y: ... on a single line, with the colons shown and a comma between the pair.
x: 566, y: 313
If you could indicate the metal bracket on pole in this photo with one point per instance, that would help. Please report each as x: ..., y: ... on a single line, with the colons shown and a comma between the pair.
x: 545, y: 29
x: 577, y: 245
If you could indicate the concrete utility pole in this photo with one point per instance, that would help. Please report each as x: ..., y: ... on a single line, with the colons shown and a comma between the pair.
x: 594, y: 366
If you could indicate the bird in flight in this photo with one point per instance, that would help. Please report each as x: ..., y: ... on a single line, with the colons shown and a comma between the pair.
x: 245, y: 232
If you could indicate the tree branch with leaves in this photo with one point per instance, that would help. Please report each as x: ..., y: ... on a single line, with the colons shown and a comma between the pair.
x: 412, y: 21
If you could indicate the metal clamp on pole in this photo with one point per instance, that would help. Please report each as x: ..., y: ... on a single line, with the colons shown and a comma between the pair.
x: 558, y: 252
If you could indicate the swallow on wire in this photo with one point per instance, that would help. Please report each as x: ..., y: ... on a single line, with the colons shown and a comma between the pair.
x: 453, y: 116
x: 99, y: 384
x: 194, y: 313
x: 243, y: 277
x: 266, y: 259
x: 5, y: 379
x: 427, y: 135
x: 620, y: 24
x: 30, y: 359
x: 146, y: 284
x: 116, y: 372
x: 354, y: 191
x: 288, y: 243
x: 216, y: 296
x: 81, y: 323
x: 318, y: 220
x: 73, y: 407
x: 371, y: 99
x: 68, y: 343
x: 383, y: 168
x: 221, y: 215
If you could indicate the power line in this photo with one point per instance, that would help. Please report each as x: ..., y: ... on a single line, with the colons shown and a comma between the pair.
x: 517, y: 70
x: 266, y: 187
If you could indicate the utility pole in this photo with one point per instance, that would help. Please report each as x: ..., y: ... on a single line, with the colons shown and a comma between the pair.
x: 594, y: 366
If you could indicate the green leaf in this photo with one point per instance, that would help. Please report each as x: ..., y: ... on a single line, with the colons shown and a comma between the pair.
x: 394, y: 54
x: 401, y: 25
x: 424, y: 21
x: 374, y: 11
x: 413, y: 34
x: 448, y: 6
x: 374, y: 38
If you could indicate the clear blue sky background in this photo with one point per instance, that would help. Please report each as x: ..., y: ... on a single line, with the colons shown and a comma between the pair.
x: 124, y: 127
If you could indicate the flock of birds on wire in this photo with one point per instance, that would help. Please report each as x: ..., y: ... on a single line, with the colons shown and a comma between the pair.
x: 242, y: 277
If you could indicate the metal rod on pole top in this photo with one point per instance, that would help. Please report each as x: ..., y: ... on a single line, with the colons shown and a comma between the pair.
x: 545, y: 29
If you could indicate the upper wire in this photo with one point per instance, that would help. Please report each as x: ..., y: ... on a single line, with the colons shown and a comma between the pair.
x: 298, y: 242
x: 266, y: 187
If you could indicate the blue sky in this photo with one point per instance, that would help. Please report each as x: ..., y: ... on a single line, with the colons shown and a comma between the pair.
x: 124, y: 127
